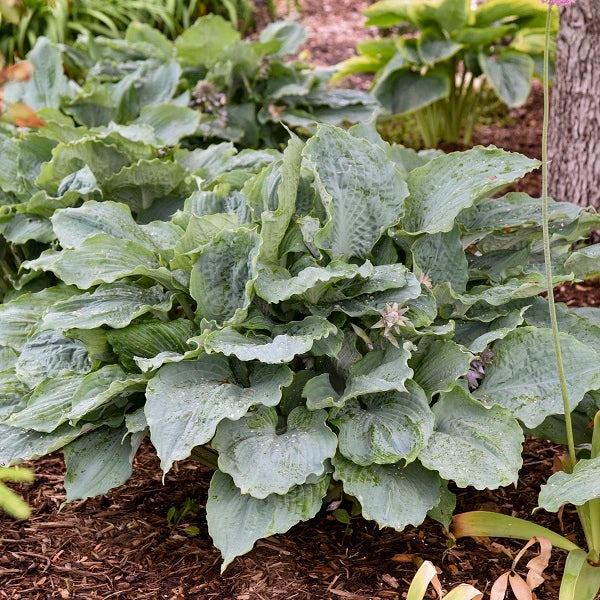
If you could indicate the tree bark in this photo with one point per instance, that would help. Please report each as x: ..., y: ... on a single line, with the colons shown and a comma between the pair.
x: 574, y: 142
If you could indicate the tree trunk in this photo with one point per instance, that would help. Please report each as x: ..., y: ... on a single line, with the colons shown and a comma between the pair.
x: 574, y: 144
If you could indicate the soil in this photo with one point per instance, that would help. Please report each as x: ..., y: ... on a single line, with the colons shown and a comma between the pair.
x: 121, y: 545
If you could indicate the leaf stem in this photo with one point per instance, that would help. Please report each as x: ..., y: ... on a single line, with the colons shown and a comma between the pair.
x: 547, y: 255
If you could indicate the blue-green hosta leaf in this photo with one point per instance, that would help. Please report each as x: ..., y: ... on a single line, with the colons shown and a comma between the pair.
x: 8, y: 358
x: 523, y: 377
x: 392, y: 495
x: 262, y: 461
x: 223, y: 277
x: 460, y: 179
x: 443, y: 511
x: 215, y: 202
x: 170, y: 122
x: 102, y: 259
x: 19, y: 445
x: 149, y: 339
x: 98, y: 388
x: 48, y: 405
x: 13, y: 392
x: 113, y: 304
x: 477, y: 335
x: 236, y: 520
x: 384, y: 428
x: 578, y: 487
x: 140, y: 184
x: 275, y: 284
x: 363, y: 193
x: 49, y: 354
x: 441, y: 257
x: 206, y: 41
x: 439, y: 365
x: 187, y: 400
x: 19, y: 317
x: 378, y: 371
x: 136, y: 421
x: 510, y: 74
x: 99, y: 461
x: 296, y: 337
x: 433, y: 47
x: 48, y: 85
x: 472, y: 444
x: 584, y: 262
x: 24, y: 227
x: 291, y: 35
x: 73, y: 226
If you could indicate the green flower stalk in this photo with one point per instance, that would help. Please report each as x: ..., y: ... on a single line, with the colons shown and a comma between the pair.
x: 546, y: 234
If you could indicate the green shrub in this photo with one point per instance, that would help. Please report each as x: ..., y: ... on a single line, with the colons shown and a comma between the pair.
x: 348, y: 311
x: 440, y: 68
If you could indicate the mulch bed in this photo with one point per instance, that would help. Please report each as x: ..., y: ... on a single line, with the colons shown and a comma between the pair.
x: 121, y: 546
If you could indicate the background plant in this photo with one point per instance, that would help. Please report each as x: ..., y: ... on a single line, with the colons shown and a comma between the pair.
x: 287, y: 319
x: 447, y: 59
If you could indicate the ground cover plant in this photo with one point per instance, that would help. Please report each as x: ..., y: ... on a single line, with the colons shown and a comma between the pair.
x: 291, y: 324
x: 448, y: 59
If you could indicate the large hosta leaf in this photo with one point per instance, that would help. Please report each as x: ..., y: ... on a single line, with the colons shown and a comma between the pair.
x: 187, y: 400
x: 392, y: 495
x: 48, y: 404
x: 384, y: 428
x: 378, y: 371
x: 236, y: 521
x: 99, y: 461
x: 362, y: 192
x: 460, y: 179
x: 223, y: 276
x: 578, y: 487
x: 288, y: 341
x: 510, y: 73
x: 48, y: 354
x: 149, y: 339
x: 113, y: 304
x: 524, y: 379
x: 472, y: 444
x: 263, y: 460
x: 439, y: 364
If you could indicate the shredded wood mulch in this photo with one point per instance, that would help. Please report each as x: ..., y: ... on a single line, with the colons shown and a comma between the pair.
x: 121, y: 546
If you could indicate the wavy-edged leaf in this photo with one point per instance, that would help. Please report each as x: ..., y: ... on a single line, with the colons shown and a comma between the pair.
x: 170, y: 122
x: 510, y: 73
x: 149, y: 339
x: 296, y: 337
x: 49, y: 354
x: 392, y: 495
x: 187, y: 400
x: 362, y: 192
x: 113, y: 304
x: 236, y: 521
x: 584, y: 262
x: 263, y: 460
x: 99, y: 461
x: 384, y: 428
x: 460, y: 179
x: 24, y: 227
x: 472, y: 444
x: 522, y: 376
x: 223, y: 276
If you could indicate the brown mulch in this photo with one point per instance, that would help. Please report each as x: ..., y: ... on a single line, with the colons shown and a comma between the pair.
x: 120, y: 546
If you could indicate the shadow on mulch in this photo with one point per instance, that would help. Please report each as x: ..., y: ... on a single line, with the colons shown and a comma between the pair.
x: 120, y: 546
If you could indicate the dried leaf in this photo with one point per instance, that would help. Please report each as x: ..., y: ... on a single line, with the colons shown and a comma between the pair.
x: 24, y: 116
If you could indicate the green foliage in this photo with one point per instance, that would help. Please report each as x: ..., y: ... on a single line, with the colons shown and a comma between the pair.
x: 286, y: 318
x: 442, y: 68
x: 61, y: 21
x: 9, y: 501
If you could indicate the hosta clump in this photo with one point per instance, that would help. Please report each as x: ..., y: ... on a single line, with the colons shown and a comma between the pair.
x: 251, y: 335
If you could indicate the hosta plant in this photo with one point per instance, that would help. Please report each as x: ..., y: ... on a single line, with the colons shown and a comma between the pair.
x: 350, y: 319
x: 209, y: 84
x: 447, y: 59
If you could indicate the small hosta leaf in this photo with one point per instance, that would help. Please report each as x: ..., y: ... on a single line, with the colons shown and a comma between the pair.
x: 187, y: 400
x: 392, y: 495
x: 472, y: 444
x: 113, y: 304
x: 263, y: 461
x: 523, y: 377
x: 236, y: 520
x: 477, y: 335
x: 578, y: 487
x: 99, y: 461
x: 384, y: 428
